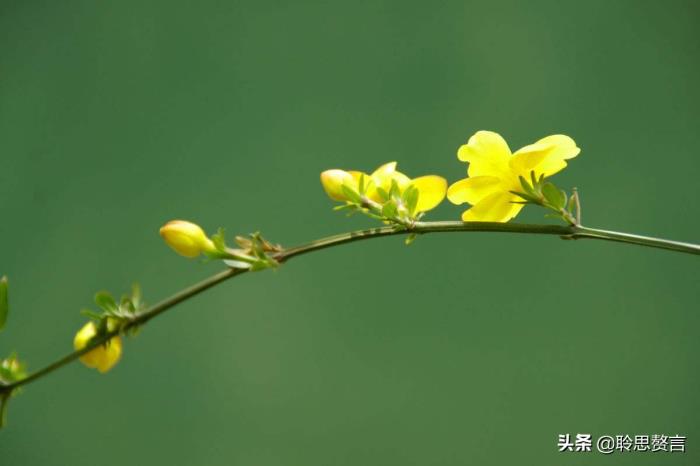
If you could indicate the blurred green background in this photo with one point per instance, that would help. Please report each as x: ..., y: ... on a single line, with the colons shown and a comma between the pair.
x: 461, y: 349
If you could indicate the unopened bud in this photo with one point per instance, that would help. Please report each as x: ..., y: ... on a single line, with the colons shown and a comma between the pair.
x: 186, y: 238
x: 102, y: 358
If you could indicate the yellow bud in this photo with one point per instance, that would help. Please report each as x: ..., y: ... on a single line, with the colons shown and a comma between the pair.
x: 186, y: 238
x: 102, y: 358
x: 333, y: 180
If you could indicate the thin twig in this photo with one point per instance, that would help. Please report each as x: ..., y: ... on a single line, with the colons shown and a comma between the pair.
x: 566, y: 232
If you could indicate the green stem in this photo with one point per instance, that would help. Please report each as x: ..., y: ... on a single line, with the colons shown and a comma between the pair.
x: 424, y: 228
x: 594, y: 233
x: 564, y: 231
x: 4, y: 398
x: 139, y: 319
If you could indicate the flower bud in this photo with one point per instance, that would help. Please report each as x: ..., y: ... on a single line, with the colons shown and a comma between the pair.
x: 186, y: 238
x: 102, y: 358
x: 333, y: 181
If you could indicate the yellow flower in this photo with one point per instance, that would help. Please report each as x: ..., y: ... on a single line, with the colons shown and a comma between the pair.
x: 494, y: 171
x: 102, y: 358
x: 431, y: 188
x: 186, y: 238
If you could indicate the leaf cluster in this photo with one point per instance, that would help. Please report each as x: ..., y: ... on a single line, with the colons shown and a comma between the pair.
x: 12, y: 369
x: 115, y: 314
x: 545, y: 194
x: 254, y: 252
x: 396, y: 206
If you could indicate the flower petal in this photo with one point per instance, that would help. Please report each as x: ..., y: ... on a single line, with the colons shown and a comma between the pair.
x: 472, y: 190
x: 382, y: 178
x: 547, y: 156
x: 527, y: 158
x: 110, y: 354
x: 564, y: 147
x: 431, y: 191
x: 385, y: 170
x: 496, y: 207
x: 487, y: 153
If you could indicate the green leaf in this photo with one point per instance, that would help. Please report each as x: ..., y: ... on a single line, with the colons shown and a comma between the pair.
x: 91, y: 314
x: 526, y: 187
x: 410, y: 238
x: 533, y: 179
x: 127, y: 305
x: 136, y: 296
x: 374, y: 216
x: 4, y: 306
x: 528, y: 198
x: 219, y: 240
x: 105, y: 301
x: 394, y: 191
x: 410, y: 198
x: 554, y: 195
x: 351, y: 194
x: 383, y: 194
x: 389, y: 209
x: 362, y: 186
x: 5, y: 373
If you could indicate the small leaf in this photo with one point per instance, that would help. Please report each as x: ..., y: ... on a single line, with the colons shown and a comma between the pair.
x: 528, y: 198
x: 5, y: 373
x: 234, y: 264
x: 219, y: 240
x: 374, y: 216
x: 554, y: 195
x: 127, y: 305
x: 351, y: 194
x: 136, y: 297
x: 533, y: 179
x: 91, y: 314
x: 410, y: 197
x: 105, y: 301
x: 245, y: 243
x: 410, y: 238
x: 4, y: 305
x: 394, y: 191
x: 362, y: 186
x: 526, y: 187
x: 389, y: 209
x: 336, y: 208
x: 383, y: 194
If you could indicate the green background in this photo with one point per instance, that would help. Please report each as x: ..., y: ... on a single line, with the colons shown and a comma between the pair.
x: 460, y: 349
